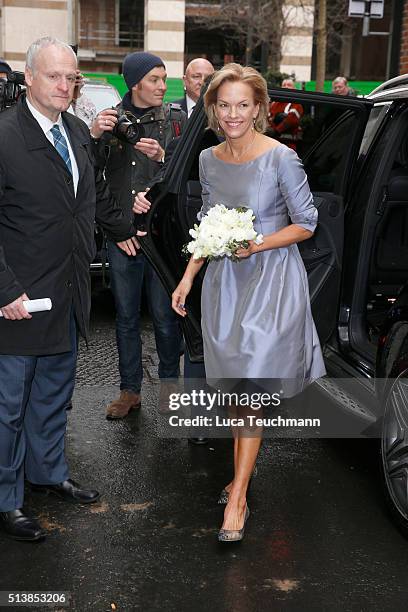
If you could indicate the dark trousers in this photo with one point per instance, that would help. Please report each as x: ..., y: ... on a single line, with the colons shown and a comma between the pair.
x: 127, y: 275
x: 194, y: 379
x: 193, y: 370
x: 33, y: 394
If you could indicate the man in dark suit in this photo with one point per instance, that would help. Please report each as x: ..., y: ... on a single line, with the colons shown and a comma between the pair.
x: 196, y: 73
x: 50, y: 196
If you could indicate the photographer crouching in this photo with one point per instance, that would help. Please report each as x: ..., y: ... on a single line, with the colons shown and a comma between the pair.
x: 129, y: 145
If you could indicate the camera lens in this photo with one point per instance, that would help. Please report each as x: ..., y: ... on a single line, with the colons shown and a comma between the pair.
x: 128, y: 130
x: 134, y: 132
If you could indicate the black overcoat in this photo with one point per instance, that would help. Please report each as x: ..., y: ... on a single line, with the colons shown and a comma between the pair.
x: 46, y: 232
x: 183, y: 103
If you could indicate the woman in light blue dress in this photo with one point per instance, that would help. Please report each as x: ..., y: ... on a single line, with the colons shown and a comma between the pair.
x: 256, y: 316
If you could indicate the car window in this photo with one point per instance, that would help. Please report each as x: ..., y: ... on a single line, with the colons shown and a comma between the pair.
x: 300, y: 126
x: 377, y: 116
x: 102, y: 97
x: 326, y: 165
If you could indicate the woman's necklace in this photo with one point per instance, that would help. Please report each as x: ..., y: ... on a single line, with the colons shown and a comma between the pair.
x: 244, y: 151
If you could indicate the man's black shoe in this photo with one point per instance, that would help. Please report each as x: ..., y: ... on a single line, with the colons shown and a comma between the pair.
x: 69, y: 490
x: 20, y: 527
x: 198, y: 441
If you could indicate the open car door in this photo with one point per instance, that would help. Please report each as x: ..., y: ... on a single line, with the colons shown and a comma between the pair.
x: 332, y: 133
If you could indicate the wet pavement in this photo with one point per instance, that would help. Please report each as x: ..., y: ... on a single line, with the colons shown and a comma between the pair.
x: 318, y: 538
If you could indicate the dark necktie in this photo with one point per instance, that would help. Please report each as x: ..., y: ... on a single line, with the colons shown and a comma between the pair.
x: 60, y: 144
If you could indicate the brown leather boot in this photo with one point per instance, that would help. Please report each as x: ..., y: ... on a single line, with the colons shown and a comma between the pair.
x: 166, y: 389
x: 120, y: 408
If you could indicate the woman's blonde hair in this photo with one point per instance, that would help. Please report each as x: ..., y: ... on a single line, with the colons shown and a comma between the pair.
x: 233, y: 73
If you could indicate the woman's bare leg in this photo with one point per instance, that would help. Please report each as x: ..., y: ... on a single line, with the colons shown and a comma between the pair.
x: 236, y: 439
x: 247, y: 453
x: 237, y: 432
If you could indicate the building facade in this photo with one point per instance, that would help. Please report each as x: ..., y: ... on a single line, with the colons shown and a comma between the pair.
x: 403, y: 58
x: 106, y: 30
x: 23, y: 22
x: 297, y: 39
x: 222, y: 44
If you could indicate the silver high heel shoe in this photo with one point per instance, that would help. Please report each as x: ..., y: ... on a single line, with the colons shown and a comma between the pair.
x: 233, y: 535
x: 224, y: 495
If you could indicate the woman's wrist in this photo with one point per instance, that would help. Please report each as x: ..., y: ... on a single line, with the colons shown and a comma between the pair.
x: 257, y: 248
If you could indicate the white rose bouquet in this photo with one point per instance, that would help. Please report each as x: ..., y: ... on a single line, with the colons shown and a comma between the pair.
x: 221, y: 232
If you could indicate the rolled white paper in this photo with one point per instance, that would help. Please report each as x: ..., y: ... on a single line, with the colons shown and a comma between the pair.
x: 36, y: 305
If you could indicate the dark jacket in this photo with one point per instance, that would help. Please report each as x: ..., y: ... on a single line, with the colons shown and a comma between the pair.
x: 127, y: 170
x: 183, y: 103
x: 46, y: 233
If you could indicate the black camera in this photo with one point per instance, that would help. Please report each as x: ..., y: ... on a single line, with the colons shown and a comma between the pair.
x: 128, y: 128
x: 10, y: 89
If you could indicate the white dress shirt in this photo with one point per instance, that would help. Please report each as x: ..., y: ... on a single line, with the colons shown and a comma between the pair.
x: 46, y: 125
x: 190, y: 105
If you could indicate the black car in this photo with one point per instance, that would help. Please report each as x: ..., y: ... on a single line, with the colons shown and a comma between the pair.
x: 355, y: 153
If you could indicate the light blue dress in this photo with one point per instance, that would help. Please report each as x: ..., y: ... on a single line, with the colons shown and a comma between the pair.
x: 256, y: 316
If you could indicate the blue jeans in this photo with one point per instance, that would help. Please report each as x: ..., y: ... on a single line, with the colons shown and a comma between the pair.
x: 34, y: 392
x: 126, y: 276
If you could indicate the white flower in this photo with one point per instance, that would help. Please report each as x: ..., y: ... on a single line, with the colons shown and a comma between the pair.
x: 221, y: 231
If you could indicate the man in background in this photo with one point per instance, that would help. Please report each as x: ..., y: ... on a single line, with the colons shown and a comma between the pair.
x: 129, y: 167
x: 196, y: 73
x: 341, y: 88
x: 81, y: 106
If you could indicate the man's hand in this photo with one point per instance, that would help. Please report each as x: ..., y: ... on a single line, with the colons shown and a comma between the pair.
x: 105, y: 121
x: 15, y: 311
x: 141, y: 204
x: 151, y: 148
x: 131, y: 245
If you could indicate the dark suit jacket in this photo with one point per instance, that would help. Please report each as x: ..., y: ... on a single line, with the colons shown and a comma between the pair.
x: 183, y: 103
x: 46, y: 233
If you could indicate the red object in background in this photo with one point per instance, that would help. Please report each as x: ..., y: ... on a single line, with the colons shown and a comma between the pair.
x: 284, y: 119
